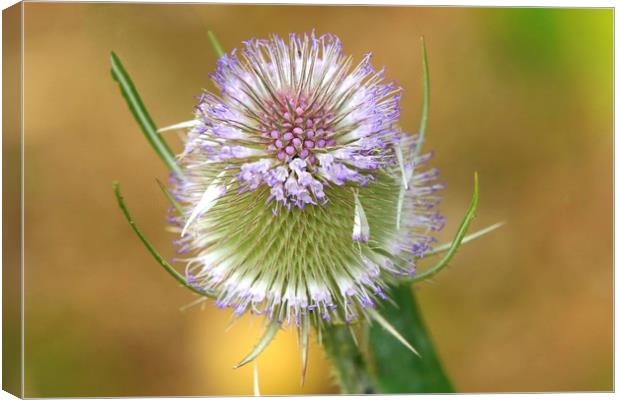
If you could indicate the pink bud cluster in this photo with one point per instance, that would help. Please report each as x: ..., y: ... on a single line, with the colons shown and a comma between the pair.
x: 295, y: 130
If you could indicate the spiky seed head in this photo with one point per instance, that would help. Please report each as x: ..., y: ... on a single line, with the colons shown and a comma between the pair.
x: 301, y: 199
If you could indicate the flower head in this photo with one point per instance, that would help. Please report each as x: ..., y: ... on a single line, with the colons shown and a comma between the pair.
x: 301, y: 199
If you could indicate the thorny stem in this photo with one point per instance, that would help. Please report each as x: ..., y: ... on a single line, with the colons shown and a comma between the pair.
x: 391, y: 367
x: 346, y: 358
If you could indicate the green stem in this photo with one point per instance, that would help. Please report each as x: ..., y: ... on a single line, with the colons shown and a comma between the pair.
x: 347, y: 360
x: 399, y: 370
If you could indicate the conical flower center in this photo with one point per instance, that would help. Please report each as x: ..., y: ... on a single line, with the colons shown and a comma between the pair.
x: 295, y: 130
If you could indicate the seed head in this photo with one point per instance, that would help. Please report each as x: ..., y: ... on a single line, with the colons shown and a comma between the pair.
x: 301, y: 199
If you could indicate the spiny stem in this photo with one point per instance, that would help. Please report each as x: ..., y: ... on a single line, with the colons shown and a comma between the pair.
x: 348, y: 362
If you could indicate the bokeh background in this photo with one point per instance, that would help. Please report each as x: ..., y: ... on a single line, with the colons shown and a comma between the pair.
x: 523, y: 96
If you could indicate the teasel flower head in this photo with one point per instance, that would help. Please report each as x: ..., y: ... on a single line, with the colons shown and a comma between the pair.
x: 301, y: 199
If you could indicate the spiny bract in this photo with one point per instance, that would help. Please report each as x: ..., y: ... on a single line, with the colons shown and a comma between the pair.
x: 301, y: 199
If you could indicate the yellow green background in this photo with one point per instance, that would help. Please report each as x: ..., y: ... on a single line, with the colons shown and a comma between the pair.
x: 523, y: 96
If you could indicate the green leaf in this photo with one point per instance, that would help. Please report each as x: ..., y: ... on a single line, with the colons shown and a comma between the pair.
x: 426, y: 95
x: 176, y: 275
x: 141, y: 114
x: 398, y: 370
x: 458, y: 238
x: 217, y: 47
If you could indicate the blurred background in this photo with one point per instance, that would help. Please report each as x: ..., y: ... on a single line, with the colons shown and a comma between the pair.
x: 523, y: 96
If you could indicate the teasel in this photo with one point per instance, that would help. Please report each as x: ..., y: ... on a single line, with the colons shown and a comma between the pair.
x: 297, y: 196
